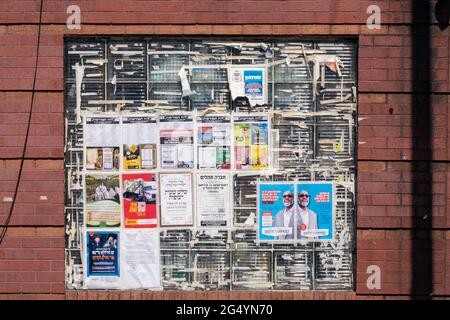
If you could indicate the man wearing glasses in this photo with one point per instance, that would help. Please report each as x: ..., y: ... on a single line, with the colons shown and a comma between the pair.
x: 307, y: 219
x: 285, y: 217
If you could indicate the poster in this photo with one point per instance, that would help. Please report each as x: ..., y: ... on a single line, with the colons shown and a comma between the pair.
x: 214, y: 142
x: 276, y: 211
x: 296, y: 211
x: 213, y: 210
x: 102, y: 259
x: 176, y: 199
x: 316, y: 210
x: 101, y: 139
x: 250, y: 82
x: 102, y: 158
x: 102, y: 200
x: 176, y: 141
x: 140, y: 195
x: 251, y: 142
x: 140, y: 262
x: 139, y: 142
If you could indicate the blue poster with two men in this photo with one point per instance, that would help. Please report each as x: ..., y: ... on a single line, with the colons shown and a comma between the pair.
x: 295, y: 211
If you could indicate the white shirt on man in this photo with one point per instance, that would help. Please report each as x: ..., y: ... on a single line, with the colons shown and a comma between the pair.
x: 287, y: 214
x: 305, y: 217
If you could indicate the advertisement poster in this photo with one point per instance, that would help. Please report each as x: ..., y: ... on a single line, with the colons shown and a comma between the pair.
x: 101, y: 138
x: 102, y: 200
x: 140, y: 264
x: 140, y: 194
x: 251, y: 142
x: 102, y: 259
x: 214, y: 142
x: 214, y: 208
x: 176, y: 199
x: 176, y: 141
x: 276, y: 211
x: 296, y: 211
x: 316, y: 210
x: 250, y: 82
x: 139, y: 142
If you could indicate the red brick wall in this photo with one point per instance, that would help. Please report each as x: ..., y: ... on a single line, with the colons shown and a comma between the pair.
x: 402, y: 166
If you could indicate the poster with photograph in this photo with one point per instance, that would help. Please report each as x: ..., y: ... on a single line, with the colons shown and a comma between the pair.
x: 101, y: 139
x: 139, y: 141
x: 140, y: 195
x: 214, y: 208
x: 306, y: 209
x: 316, y: 210
x: 214, y: 142
x: 251, y: 142
x: 276, y: 211
x: 140, y: 263
x: 176, y: 199
x: 176, y: 141
x: 102, y: 200
x: 248, y: 81
x: 102, y: 259
x: 102, y: 158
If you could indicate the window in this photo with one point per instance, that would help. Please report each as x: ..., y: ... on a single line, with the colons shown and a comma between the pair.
x: 175, y: 147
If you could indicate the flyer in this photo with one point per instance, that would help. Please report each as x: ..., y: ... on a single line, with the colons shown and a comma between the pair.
x: 250, y: 82
x: 176, y: 141
x: 302, y: 211
x: 139, y: 142
x: 140, y: 262
x: 276, y: 211
x: 102, y: 259
x: 102, y: 158
x: 101, y: 139
x: 214, y: 142
x: 251, y: 142
x: 140, y: 195
x: 102, y: 200
x: 316, y: 210
x: 214, y: 208
x: 176, y: 199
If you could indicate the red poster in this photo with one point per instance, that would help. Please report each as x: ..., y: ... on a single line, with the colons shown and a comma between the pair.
x: 139, y: 200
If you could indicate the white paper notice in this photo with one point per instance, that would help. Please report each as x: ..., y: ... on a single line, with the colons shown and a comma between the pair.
x: 176, y: 199
x: 213, y: 210
x: 101, y: 132
x: 207, y: 158
x: 185, y: 153
x: 139, y: 130
x: 169, y: 156
x: 140, y: 259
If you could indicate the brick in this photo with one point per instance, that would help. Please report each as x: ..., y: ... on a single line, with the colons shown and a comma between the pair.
x: 257, y: 29
x: 197, y: 29
x: 345, y: 29
x: 227, y: 29
x: 316, y: 29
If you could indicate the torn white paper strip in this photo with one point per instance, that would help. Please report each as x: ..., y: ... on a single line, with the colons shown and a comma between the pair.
x: 79, y: 74
x: 186, y: 88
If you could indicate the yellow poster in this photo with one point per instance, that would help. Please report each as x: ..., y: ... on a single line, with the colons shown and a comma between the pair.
x: 259, y: 156
x: 131, y: 157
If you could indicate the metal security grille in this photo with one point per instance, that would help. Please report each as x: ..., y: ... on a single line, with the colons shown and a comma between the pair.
x: 313, y: 134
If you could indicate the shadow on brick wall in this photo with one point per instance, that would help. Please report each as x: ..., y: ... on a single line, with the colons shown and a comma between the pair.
x: 422, y: 249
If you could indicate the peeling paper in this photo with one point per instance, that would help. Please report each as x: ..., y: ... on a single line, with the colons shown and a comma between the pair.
x: 79, y: 74
x: 99, y: 62
x: 185, y: 87
x: 332, y: 62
